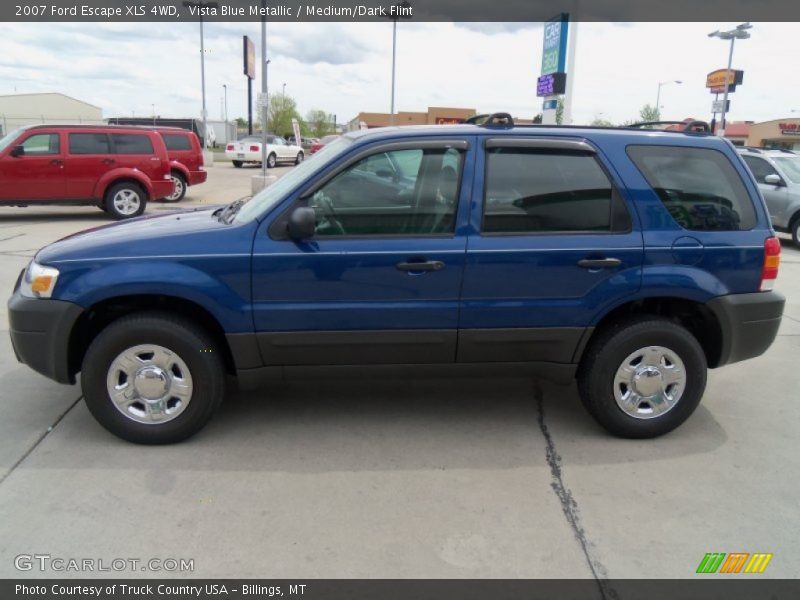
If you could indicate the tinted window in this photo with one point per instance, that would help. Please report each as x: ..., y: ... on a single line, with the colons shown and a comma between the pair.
x: 177, y: 141
x: 699, y: 187
x: 88, y: 143
x: 759, y: 167
x: 43, y: 143
x: 535, y: 191
x: 132, y: 143
x: 402, y: 192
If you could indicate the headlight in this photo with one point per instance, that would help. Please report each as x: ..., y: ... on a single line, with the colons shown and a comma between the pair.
x: 39, y: 281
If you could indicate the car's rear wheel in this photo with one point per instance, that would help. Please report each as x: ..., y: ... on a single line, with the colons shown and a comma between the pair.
x: 299, y: 159
x: 642, y: 377
x: 180, y: 188
x: 125, y: 200
x: 795, y: 229
x: 153, y: 378
x: 272, y: 160
x: 237, y: 164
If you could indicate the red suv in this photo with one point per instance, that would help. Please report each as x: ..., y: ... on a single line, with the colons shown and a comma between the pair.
x: 185, y: 160
x: 116, y: 168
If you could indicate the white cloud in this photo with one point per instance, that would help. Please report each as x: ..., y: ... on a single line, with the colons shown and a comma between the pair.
x: 344, y: 68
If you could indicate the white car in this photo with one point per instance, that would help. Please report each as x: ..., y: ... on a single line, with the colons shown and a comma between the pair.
x: 248, y: 150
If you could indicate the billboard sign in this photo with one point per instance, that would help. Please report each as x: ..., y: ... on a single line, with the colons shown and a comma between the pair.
x: 551, y: 84
x: 249, y: 57
x: 554, y: 50
x: 789, y: 128
x: 717, y: 106
x: 717, y: 80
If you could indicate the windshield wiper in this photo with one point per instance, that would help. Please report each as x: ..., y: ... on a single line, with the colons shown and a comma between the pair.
x: 224, y: 215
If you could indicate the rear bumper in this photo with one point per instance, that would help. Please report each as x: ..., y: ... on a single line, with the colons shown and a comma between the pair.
x: 162, y: 188
x: 40, y: 330
x: 196, y: 177
x: 749, y: 324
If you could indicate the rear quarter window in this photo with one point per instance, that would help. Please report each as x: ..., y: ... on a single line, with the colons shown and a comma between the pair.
x: 177, y: 141
x: 698, y: 186
x: 132, y: 143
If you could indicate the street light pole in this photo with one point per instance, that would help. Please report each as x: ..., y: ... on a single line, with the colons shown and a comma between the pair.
x: 227, y: 126
x: 658, y: 96
x: 398, y: 11
x: 201, y: 4
x: 264, y: 91
x: 740, y: 33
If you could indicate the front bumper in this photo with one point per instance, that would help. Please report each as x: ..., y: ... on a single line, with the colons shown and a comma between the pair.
x: 749, y: 324
x: 40, y: 330
x: 196, y: 177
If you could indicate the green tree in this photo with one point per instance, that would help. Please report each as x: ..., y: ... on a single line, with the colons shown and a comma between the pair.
x: 560, y: 110
x: 537, y: 119
x: 319, y: 123
x: 282, y: 109
x: 241, y: 123
x: 649, y: 113
x: 600, y: 122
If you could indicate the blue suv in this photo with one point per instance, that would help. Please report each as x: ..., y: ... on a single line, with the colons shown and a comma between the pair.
x: 631, y: 260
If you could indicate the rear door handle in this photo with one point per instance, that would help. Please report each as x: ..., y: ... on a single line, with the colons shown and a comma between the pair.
x: 599, y: 263
x: 56, y: 162
x: 108, y: 161
x: 428, y: 265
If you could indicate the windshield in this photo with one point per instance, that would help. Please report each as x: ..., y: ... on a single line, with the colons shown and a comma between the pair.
x: 790, y: 167
x: 276, y: 192
x: 6, y: 140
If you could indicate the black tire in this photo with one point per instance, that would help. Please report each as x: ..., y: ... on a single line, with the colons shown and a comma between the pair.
x: 795, y: 230
x: 185, y: 340
x: 606, y: 354
x: 299, y: 159
x: 125, y: 187
x: 272, y: 160
x: 180, y: 188
x: 237, y: 164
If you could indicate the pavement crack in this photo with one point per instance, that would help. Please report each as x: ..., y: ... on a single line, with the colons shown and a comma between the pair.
x: 39, y: 440
x: 569, y: 505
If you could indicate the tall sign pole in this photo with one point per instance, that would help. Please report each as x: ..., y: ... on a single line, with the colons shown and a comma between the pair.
x: 264, y: 89
x: 249, y: 65
x: 572, y: 43
x: 553, y: 79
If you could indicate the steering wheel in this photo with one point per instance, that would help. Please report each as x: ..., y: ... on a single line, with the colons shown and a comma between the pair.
x: 329, y: 214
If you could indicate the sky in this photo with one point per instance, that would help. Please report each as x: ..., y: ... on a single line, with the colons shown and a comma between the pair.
x: 343, y: 68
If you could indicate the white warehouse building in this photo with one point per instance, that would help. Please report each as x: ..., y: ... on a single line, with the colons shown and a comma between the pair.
x: 17, y: 110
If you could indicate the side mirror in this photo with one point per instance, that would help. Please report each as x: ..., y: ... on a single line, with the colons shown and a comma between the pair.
x: 773, y: 179
x: 302, y: 223
x: 17, y: 151
x: 384, y: 173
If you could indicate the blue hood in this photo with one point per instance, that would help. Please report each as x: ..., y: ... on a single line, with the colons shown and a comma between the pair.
x: 174, y: 233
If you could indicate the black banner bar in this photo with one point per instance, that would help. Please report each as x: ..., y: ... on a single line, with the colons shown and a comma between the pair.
x: 417, y: 10
x: 740, y: 587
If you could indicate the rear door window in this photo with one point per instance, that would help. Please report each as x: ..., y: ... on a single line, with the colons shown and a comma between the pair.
x: 176, y: 141
x: 132, y: 143
x: 89, y: 143
x: 760, y: 168
x: 530, y: 190
x: 698, y: 186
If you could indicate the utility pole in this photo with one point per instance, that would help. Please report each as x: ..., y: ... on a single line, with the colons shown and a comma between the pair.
x: 264, y: 90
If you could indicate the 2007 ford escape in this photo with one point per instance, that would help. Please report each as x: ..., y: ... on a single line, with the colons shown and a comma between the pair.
x: 630, y: 259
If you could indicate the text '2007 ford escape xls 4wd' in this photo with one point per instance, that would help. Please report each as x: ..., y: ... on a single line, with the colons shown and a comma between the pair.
x: 630, y: 259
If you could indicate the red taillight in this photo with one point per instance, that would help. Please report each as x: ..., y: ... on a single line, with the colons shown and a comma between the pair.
x: 772, y: 260
x: 229, y: 147
x: 254, y: 148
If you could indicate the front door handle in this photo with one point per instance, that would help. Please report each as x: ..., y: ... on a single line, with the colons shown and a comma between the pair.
x: 108, y: 161
x: 56, y: 162
x: 428, y: 265
x: 599, y: 263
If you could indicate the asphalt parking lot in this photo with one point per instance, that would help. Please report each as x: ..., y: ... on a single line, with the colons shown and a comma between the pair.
x: 428, y: 478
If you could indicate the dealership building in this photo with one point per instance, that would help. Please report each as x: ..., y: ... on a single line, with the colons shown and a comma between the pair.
x: 18, y: 110
x: 435, y: 115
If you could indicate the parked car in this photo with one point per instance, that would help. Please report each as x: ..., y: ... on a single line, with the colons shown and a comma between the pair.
x: 778, y: 175
x: 248, y: 150
x: 118, y: 168
x: 631, y: 260
x: 185, y: 160
x: 320, y: 144
x: 305, y: 143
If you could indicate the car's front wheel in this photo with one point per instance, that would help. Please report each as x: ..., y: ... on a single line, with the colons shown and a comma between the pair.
x: 642, y: 377
x: 796, y: 232
x: 180, y: 188
x: 299, y: 159
x: 125, y: 200
x: 272, y: 160
x: 153, y: 378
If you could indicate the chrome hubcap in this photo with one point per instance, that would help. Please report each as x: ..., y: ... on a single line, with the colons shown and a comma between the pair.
x: 126, y: 202
x: 149, y: 384
x: 649, y: 382
x: 178, y: 189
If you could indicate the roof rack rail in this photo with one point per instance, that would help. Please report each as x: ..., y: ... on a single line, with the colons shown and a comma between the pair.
x: 498, y: 118
x: 689, y: 126
x: 753, y: 149
x: 787, y: 151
